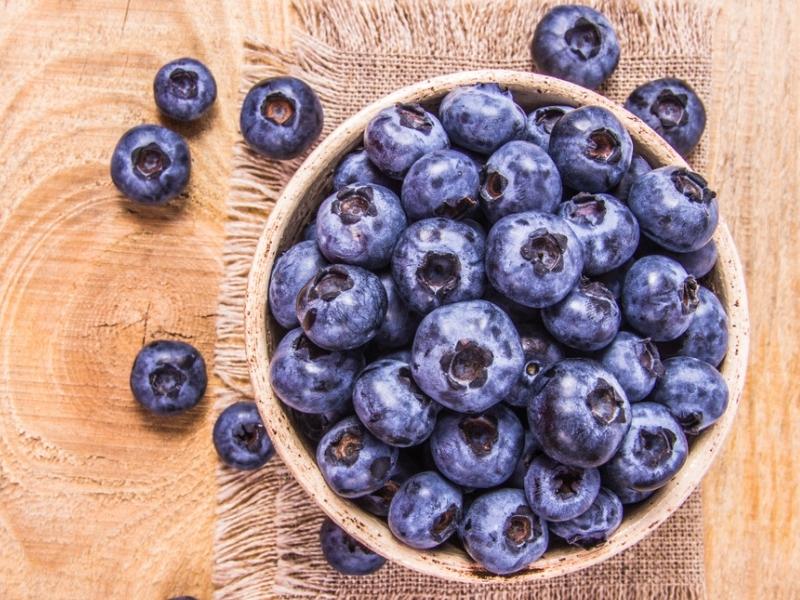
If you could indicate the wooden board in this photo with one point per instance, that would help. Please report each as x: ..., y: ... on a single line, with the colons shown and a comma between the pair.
x: 97, y: 499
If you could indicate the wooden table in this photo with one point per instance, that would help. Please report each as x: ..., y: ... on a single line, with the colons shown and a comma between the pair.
x: 100, y: 500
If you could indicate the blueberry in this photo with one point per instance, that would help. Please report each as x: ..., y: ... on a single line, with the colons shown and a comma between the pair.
x: 356, y: 168
x: 587, y: 319
x: 500, y: 532
x: 559, y: 492
x: 658, y: 298
x: 425, y: 511
x: 346, y: 554
x: 467, y: 356
x: 693, y: 391
x: 672, y: 109
x: 675, y: 208
x: 635, y: 362
x: 437, y: 262
x: 628, y: 496
x: 359, y: 225
x: 400, y: 135
x: 151, y: 164
x: 533, y: 258
x: 443, y: 183
x: 576, y: 43
x: 540, y: 123
x: 540, y: 351
x: 482, y: 117
x: 477, y: 451
x: 240, y: 438
x: 578, y: 413
x: 314, y: 425
x: 653, y: 451
x: 184, y: 89
x: 595, y: 525
x: 591, y: 149
x: 519, y: 177
x: 281, y: 117
x: 310, y: 232
x: 353, y: 461
x: 400, y: 323
x: 341, y: 307
x: 378, y: 502
x: 698, y: 263
x: 530, y: 450
x: 291, y: 272
x: 707, y: 335
x: 168, y: 377
x: 639, y: 166
x: 391, y: 405
x: 309, y: 378
x: 606, y: 228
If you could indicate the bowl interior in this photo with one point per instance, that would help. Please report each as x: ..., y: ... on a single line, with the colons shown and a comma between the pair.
x: 296, y: 207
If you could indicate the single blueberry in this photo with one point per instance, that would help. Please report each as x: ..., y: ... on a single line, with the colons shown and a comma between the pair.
x: 591, y: 149
x: 698, y: 263
x: 639, y: 166
x: 500, y: 532
x: 519, y: 177
x: 378, y: 502
x: 344, y: 553
x: 673, y: 109
x: 707, y: 335
x: 314, y: 425
x: 595, y: 525
x: 400, y: 322
x: 635, y: 362
x: 467, y: 356
x: 559, y: 492
x: 425, y: 511
x: 530, y: 450
x: 151, y: 164
x: 482, y: 117
x: 356, y: 168
x: 443, y: 183
x: 240, y: 438
x: 628, y: 496
x: 539, y: 124
x: 168, y: 377
x: 291, y: 272
x: 184, y: 89
x: 540, y: 351
x: 587, y: 319
x: 533, y: 258
x: 281, y: 117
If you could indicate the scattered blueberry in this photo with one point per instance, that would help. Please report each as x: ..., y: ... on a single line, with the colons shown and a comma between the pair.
x: 344, y: 553
x: 540, y: 351
x: 378, y: 502
x: 291, y: 272
x: 635, y: 362
x: 707, y: 335
x: 184, y: 89
x: 356, y: 168
x: 540, y: 123
x: 595, y: 525
x: 425, y: 511
x: 314, y: 425
x: 587, y: 319
x: 400, y: 322
x: 443, y: 183
x: 240, y: 438
x: 639, y: 166
x: 530, y: 450
x: 168, y: 377
x: 559, y: 492
x: 698, y: 263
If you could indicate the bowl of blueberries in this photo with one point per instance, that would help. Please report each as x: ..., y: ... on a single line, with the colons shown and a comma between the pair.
x: 495, y: 325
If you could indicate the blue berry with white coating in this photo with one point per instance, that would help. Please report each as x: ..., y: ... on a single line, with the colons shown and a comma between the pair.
x: 168, y: 377
x: 587, y: 319
x: 443, y: 183
x: 635, y: 362
x: 240, y: 438
x: 346, y: 554
x: 291, y: 272
x: 357, y: 168
x: 595, y: 525
x: 184, y: 89
x: 559, y: 492
x: 425, y: 511
x: 540, y: 123
x: 400, y: 322
x: 707, y: 335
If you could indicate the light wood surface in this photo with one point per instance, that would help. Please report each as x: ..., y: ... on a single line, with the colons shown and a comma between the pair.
x: 99, y: 500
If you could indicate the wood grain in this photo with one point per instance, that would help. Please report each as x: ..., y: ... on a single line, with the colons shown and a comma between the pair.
x: 97, y: 499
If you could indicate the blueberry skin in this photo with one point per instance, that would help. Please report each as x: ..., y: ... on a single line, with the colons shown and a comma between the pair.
x: 627, y: 496
x: 606, y: 228
x: 404, y: 355
x: 539, y: 124
x: 587, y: 319
x: 540, y: 351
x: 240, y: 438
x: 312, y: 379
x: 346, y: 554
x: 400, y: 323
x: 653, y: 451
x: 533, y: 258
x: 698, y: 263
x: 675, y: 208
x: 443, y: 183
x: 595, y: 525
x: 659, y: 299
x: 352, y: 461
x: 635, y: 362
x: 707, y: 335
x: 515, y: 310
x: 281, y: 117
x: 151, y: 164
x: 314, y: 425
x: 391, y: 405
x: 579, y: 413
x: 356, y: 168
x: 591, y: 149
x: 359, y: 225
x: 615, y: 279
x: 184, y: 89
x: 425, y: 511
x: 481, y: 117
x: 378, y: 502
x: 479, y: 451
x: 467, y: 356
x: 438, y: 262
x: 639, y: 166
x: 168, y: 377
x: 693, y: 391
x: 558, y: 492
x: 673, y: 109
x: 500, y: 532
x: 341, y: 307
x: 530, y: 450
x: 291, y: 272
x: 519, y: 177
x: 400, y: 135
x: 310, y: 232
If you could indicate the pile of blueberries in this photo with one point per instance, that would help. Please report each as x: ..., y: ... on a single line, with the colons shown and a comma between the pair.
x: 495, y: 331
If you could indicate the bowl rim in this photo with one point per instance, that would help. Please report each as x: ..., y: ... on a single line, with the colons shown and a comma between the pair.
x: 449, y: 563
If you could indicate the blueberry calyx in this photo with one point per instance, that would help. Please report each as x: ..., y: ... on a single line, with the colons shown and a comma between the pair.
x: 567, y: 481
x: 440, y: 272
x: 670, y: 109
x: 306, y: 348
x: 455, y: 209
x: 346, y: 448
x: 605, y: 404
x: 183, y: 84
x: 442, y: 523
x: 595, y: 290
x: 404, y: 375
x: 692, y: 185
x: 414, y: 116
x: 588, y: 208
x: 521, y: 526
x: 547, y: 119
x: 583, y: 38
x: 495, y: 185
x: 278, y: 109
x: 353, y: 204
x: 545, y: 251
x: 166, y: 380
x: 480, y: 433
x: 603, y: 146
x: 655, y: 445
x: 328, y: 284
x: 647, y: 356
x: 689, y: 297
x: 467, y: 366
x: 249, y: 435
x: 532, y: 368
x: 150, y: 161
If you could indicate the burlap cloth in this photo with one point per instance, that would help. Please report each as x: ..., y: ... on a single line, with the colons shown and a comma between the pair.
x: 353, y: 52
